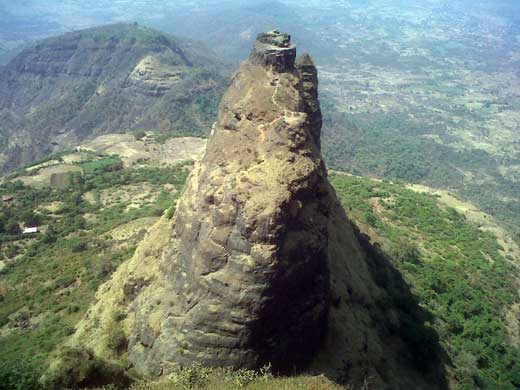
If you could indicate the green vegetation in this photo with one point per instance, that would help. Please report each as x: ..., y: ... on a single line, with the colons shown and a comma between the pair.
x: 458, y: 272
x: 99, y: 90
x: 51, y: 277
x: 197, y: 377
x: 139, y: 135
x: 105, y: 164
x: 395, y: 147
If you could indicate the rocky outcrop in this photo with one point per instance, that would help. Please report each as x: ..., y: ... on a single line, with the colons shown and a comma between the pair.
x: 249, y: 269
x: 274, y: 49
x: 259, y: 263
x: 243, y: 280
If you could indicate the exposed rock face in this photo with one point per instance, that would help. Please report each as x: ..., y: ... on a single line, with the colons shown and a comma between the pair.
x: 244, y: 280
x: 259, y: 263
x: 274, y: 49
x: 251, y: 281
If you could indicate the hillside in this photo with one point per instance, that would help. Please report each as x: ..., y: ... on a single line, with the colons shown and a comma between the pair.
x: 116, y: 78
x: 90, y: 218
x: 462, y: 270
x: 88, y: 228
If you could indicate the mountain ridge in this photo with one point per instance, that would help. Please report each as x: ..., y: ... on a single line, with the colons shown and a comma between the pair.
x: 115, y: 78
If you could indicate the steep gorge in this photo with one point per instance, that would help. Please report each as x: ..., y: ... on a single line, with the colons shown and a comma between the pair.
x: 259, y: 263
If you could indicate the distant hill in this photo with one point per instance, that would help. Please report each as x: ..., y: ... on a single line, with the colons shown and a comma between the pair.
x: 115, y: 78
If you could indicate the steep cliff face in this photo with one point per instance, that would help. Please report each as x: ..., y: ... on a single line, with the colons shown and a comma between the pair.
x: 259, y: 263
x: 115, y: 78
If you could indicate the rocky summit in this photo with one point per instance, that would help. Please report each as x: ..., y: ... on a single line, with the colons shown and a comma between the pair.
x: 274, y: 49
x: 259, y: 264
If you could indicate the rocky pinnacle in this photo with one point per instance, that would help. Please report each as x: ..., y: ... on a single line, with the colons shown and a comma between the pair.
x: 259, y: 263
x: 274, y: 49
x: 242, y: 279
x: 249, y: 270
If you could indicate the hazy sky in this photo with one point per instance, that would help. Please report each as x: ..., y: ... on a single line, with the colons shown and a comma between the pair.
x: 236, y: 21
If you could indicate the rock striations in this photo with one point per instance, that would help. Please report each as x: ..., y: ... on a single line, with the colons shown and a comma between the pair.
x: 259, y: 263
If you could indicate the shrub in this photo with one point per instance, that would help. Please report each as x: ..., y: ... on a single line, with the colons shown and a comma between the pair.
x: 13, y: 228
x: 78, y: 368
x: 139, y: 135
x: 118, y: 315
x: 79, y: 246
x: 242, y: 378
x: 193, y: 377
x: 403, y: 250
x: 170, y: 212
x: 117, y: 340
x: 20, y: 375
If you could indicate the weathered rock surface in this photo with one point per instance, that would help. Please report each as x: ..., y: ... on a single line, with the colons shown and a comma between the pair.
x: 259, y: 263
x: 274, y: 49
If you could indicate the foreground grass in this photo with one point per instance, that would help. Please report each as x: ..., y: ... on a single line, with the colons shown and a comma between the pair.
x: 200, y: 378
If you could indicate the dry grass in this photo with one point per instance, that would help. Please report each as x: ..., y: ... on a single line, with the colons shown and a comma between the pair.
x: 484, y: 221
x: 238, y: 380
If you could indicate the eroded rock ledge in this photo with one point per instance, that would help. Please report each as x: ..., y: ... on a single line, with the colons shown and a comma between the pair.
x: 274, y: 49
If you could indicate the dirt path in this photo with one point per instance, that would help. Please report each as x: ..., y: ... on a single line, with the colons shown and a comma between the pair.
x: 287, y: 116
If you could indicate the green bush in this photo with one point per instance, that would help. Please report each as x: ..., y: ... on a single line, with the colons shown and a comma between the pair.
x: 13, y: 228
x: 78, y: 368
x: 405, y: 250
x: 139, y: 135
x: 195, y: 376
x: 22, y: 374
x: 117, y: 340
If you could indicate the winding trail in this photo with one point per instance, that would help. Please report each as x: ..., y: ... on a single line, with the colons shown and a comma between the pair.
x: 287, y: 114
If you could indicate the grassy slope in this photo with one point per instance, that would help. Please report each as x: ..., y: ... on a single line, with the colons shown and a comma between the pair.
x: 49, y: 286
x: 459, y: 272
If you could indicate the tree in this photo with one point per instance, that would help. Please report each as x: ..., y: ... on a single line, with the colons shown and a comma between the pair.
x: 405, y: 250
x: 13, y: 228
x: 50, y: 236
x: 30, y: 218
x: 139, y: 135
